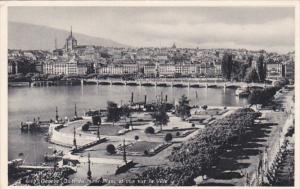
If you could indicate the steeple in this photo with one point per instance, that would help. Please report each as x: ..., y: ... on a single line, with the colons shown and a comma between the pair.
x: 71, y: 42
x: 174, y: 46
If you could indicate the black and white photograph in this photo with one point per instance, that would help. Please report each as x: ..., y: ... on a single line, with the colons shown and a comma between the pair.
x: 150, y: 95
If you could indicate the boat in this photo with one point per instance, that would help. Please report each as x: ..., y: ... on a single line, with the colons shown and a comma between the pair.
x: 29, y: 126
x: 13, y: 164
x: 242, y: 92
x: 18, y: 84
x: 54, y: 157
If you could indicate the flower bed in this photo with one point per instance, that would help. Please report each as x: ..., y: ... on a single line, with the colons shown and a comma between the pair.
x: 141, y: 148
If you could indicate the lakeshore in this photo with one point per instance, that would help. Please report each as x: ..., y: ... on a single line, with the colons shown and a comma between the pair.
x: 136, y: 153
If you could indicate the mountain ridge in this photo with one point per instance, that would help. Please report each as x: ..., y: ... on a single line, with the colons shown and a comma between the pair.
x: 26, y: 36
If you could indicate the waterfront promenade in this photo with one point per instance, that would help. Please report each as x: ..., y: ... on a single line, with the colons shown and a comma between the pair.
x: 240, y: 165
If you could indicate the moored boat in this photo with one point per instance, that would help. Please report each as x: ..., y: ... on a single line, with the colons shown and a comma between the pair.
x: 242, y: 92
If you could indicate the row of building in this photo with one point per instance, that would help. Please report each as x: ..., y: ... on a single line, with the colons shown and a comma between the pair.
x: 161, y: 70
x: 74, y: 59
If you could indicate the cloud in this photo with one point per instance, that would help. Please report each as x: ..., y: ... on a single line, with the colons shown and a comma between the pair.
x: 255, y: 27
x: 274, y: 33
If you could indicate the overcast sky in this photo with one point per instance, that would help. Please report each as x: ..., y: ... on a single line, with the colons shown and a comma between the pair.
x: 269, y: 28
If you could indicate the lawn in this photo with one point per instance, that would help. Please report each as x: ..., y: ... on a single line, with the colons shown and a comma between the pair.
x: 177, y: 133
x: 214, y: 111
x: 106, y: 130
x: 141, y: 146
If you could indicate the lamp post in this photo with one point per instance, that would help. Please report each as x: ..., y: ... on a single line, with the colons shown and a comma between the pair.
x: 124, y: 152
x: 56, y: 114
x: 89, y: 172
x: 74, y: 140
x: 98, y: 129
x: 75, y: 113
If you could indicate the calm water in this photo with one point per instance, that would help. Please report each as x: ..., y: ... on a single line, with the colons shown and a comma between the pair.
x: 28, y: 103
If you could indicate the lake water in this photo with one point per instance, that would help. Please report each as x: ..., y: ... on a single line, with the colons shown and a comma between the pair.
x: 28, y: 103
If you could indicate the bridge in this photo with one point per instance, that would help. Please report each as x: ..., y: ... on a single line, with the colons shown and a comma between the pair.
x: 41, y: 83
x: 193, y: 83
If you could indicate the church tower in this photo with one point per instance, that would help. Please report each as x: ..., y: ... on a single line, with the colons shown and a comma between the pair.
x: 71, y: 42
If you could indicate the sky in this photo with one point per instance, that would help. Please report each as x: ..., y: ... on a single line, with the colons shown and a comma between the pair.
x: 269, y: 28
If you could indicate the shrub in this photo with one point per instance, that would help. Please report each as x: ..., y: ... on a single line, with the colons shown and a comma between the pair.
x: 149, y: 130
x: 110, y: 148
x: 177, y: 133
x: 193, y: 124
x: 136, y: 137
x: 204, y: 107
x: 168, y: 137
x: 127, y: 126
x: 146, y: 152
x: 86, y: 126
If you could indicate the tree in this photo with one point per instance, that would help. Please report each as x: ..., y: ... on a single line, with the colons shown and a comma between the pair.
x: 183, y: 109
x: 126, y: 111
x: 113, y: 113
x: 261, y: 68
x: 250, y: 59
x: 226, y: 66
x: 204, y: 107
x: 136, y: 137
x: 259, y: 96
x: 168, y: 137
x: 111, y: 149
x: 251, y: 76
x: 160, y: 115
x: 255, y: 97
x: 149, y: 130
x: 86, y: 126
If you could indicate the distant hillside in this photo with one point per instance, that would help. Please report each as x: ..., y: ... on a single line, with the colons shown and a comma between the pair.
x: 32, y: 37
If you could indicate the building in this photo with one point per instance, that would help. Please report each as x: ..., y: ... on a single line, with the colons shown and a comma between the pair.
x: 118, y: 69
x: 72, y: 67
x: 64, y: 66
x: 48, y: 67
x: 71, y: 42
x: 39, y: 67
x: 166, y: 70
x: 289, y: 71
x: 274, y: 71
x: 150, y: 70
x: 82, y: 68
x: 186, y: 70
x: 130, y: 68
x: 110, y: 69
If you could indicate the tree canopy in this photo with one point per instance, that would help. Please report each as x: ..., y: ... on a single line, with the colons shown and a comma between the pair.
x: 226, y: 66
x: 160, y: 115
x: 183, y: 109
x: 113, y: 112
